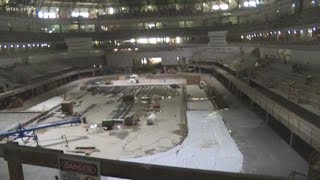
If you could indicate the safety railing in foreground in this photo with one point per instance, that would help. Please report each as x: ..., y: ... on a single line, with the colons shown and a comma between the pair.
x: 16, y: 155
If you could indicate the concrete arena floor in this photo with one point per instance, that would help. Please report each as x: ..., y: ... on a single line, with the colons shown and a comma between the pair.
x: 263, y: 150
x: 122, y: 142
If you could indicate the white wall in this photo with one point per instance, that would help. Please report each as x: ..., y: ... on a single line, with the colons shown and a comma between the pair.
x: 291, y: 55
x: 120, y: 59
x: 92, y: 58
x: 9, y: 61
x: 20, y: 23
x: 125, y: 59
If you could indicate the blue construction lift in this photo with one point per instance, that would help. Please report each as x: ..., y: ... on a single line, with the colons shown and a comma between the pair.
x: 29, y: 132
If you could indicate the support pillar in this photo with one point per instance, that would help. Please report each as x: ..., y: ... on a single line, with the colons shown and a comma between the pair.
x: 60, y: 29
x: 14, y: 164
x: 291, y: 138
x: 33, y: 92
x: 78, y: 28
x: 15, y: 170
x: 267, y: 117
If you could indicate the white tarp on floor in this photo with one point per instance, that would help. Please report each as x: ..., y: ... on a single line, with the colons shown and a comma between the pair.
x: 208, y: 146
x: 46, y: 105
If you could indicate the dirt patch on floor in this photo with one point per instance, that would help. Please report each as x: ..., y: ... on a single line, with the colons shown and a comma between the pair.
x: 41, y: 131
x: 149, y: 152
x: 119, y: 134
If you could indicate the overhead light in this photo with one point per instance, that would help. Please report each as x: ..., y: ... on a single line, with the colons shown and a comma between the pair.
x: 215, y: 7
x: 142, y: 40
x: 111, y: 10
x: 178, y: 40
x: 224, y: 6
x: 252, y: 4
x: 167, y: 40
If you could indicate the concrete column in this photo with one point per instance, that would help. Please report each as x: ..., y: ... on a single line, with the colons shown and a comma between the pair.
x: 79, y: 27
x: 267, y: 117
x: 60, y: 30
x: 291, y: 138
x: 33, y: 92
x: 15, y: 170
x: 14, y: 164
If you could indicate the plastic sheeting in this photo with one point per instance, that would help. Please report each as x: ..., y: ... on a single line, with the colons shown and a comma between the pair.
x: 208, y: 146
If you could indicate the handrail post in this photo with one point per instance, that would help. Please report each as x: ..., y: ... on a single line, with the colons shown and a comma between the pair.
x: 14, y: 163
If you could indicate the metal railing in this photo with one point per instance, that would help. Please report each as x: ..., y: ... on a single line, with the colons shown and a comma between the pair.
x: 307, y: 131
x: 16, y: 155
x: 301, y: 127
